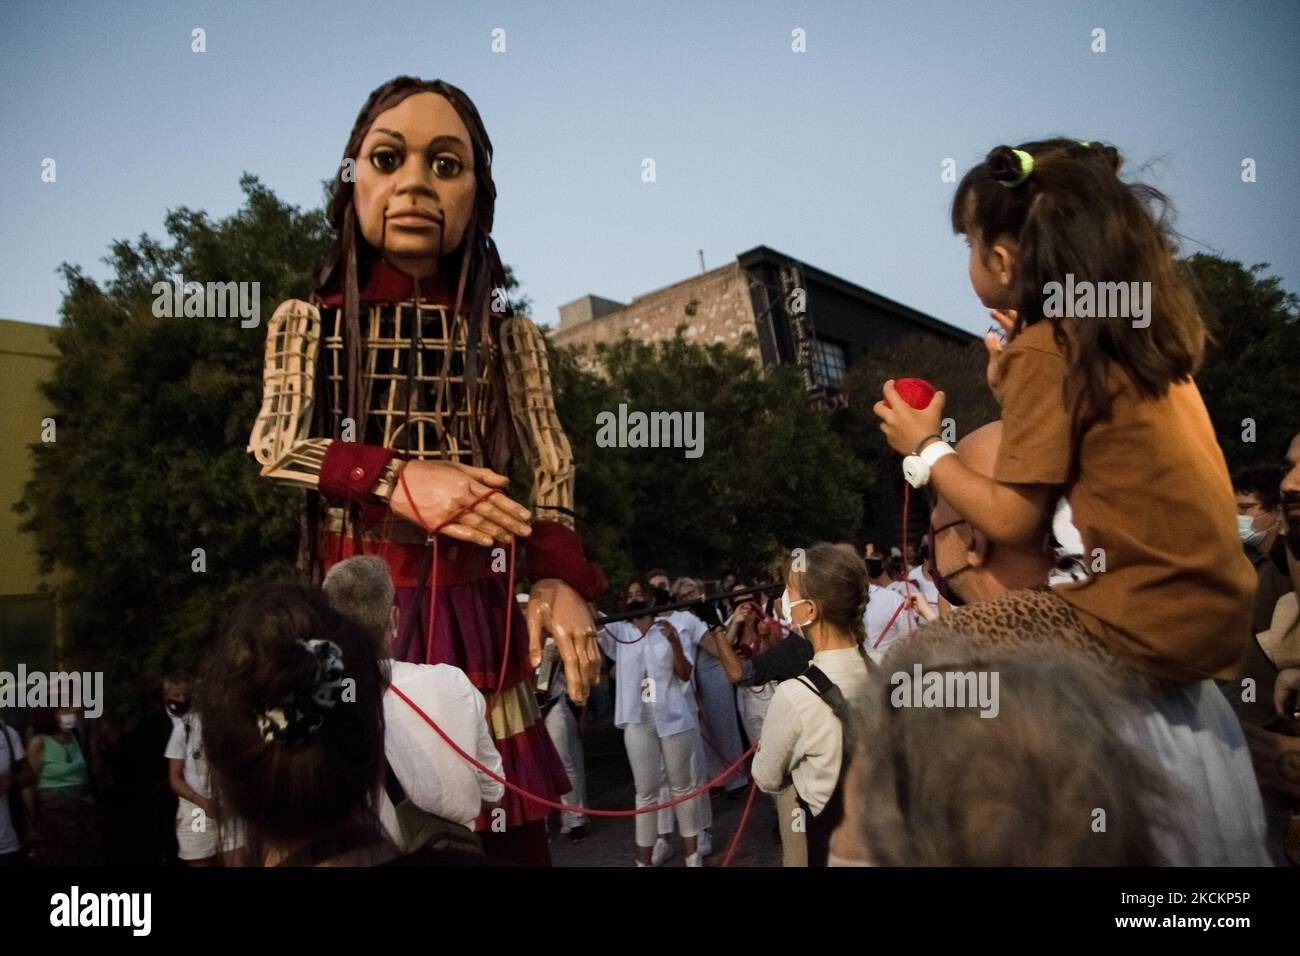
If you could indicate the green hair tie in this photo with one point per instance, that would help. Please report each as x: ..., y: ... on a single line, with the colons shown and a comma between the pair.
x: 1085, y: 142
x: 1026, y: 167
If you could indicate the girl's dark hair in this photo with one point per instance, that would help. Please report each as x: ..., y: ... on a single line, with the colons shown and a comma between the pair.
x: 1074, y: 215
x: 475, y: 267
x: 833, y: 576
x: 314, y: 796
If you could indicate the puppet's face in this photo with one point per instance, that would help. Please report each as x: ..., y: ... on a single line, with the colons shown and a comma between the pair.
x: 415, y: 183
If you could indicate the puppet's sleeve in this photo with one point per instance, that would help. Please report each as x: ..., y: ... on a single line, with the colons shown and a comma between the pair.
x: 281, y: 440
x: 554, y: 548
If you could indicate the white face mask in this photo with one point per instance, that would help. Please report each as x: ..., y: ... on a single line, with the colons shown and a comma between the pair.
x: 786, y: 607
x: 1249, y: 534
x: 67, y: 721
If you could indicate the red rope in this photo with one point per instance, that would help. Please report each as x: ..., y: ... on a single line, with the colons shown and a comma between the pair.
x: 907, y: 502
x: 554, y: 804
x: 901, y: 608
x: 433, y: 576
x: 740, y: 827
x: 505, y: 659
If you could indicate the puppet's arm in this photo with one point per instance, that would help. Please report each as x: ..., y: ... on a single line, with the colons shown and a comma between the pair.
x: 563, y: 579
x: 281, y: 441
x: 537, y: 426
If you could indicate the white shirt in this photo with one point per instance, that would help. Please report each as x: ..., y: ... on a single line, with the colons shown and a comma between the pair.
x: 186, y: 743
x: 802, y: 739
x: 436, y: 778
x: 928, y: 588
x: 691, y: 630
x: 882, y: 605
x: 9, y: 757
x: 909, y: 618
x: 645, y: 667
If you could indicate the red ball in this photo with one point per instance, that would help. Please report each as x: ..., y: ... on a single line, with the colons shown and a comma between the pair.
x: 917, y: 392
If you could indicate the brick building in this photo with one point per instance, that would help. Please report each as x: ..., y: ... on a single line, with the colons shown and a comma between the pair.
x: 798, y: 314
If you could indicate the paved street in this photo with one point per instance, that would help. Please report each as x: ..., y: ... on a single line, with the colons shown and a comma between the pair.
x: 611, y: 843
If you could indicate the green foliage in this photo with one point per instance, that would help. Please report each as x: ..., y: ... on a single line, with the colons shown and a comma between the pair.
x: 1252, y: 368
x: 772, y: 476
x: 957, y: 370
x: 153, y: 416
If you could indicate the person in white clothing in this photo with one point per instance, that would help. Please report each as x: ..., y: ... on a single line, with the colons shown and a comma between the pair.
x: 433, y: 777
x: 919, y: 577
x: 200, y: 839
x: 714, y: 692
x: 694, y: 632
x: 562, y: 725
x: 653, y: 707
x: 15, y: 774
x: 804, y: 731
x: 885, y: 623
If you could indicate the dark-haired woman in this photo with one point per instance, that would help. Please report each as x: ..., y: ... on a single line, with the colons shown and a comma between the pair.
x: 293, y: 731
x: 396, y: 396
x: 804, y: 728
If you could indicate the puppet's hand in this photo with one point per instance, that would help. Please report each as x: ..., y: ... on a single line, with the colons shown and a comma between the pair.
x: 435, y: 490
x: 556, y: 609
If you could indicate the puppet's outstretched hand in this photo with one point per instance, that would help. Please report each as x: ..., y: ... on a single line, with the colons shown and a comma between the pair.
x: 557, y: 610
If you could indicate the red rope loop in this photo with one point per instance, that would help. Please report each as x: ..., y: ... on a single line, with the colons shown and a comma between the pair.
x: 555, y: 804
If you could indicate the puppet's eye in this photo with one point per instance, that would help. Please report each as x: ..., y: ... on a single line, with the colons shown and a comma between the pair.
x: 447, y: 166
x: 385, y: 160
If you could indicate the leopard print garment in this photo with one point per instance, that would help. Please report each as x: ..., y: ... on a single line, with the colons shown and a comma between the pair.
x: 1035, y: 617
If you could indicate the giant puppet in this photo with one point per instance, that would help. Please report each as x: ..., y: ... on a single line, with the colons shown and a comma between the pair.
x: 397, y: 395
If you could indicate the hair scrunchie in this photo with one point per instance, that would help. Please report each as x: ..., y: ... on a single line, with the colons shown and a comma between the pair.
x: 1026, y: 167
x: 299, y: 716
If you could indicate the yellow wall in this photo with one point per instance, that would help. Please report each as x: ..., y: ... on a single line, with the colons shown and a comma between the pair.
x: 26, y: 357
x: 28, y: 617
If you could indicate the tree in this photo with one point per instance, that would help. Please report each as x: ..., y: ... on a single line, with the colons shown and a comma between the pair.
x: 153, y: 415
x: 772, y: 475
x: 957, y: 370
x: 1252, y: 365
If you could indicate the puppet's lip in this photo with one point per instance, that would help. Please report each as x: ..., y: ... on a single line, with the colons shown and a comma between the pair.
x: 422, y: 215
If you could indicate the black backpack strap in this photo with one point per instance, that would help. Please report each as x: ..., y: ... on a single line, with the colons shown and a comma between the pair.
x: 815, y: 679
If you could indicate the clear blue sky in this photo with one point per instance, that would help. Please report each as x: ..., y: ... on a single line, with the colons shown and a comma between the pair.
x: 832, y: 155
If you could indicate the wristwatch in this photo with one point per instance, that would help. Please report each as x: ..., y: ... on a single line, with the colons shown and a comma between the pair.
x: 916, y: 468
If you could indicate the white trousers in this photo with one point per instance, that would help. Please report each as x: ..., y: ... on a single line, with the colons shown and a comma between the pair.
x: 647, y: 752
x: 703, y: 803
x: 562, y: 725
